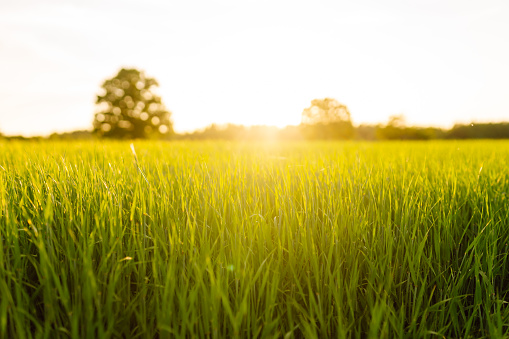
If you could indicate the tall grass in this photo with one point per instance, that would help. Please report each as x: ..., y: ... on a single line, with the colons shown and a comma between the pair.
x: 254, y: 240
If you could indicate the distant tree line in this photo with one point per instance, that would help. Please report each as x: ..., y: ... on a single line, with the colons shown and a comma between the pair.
x: 361, y: 132
x: 129, y: 108
x: 302, y: 132
x: 396, y: 129
x: 240, y: 132
x: 479, y: 131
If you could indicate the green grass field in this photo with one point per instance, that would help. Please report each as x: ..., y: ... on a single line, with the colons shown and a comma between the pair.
x: 224, y: 240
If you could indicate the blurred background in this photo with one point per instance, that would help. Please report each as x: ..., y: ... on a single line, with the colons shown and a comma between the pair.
x: 423, y: 63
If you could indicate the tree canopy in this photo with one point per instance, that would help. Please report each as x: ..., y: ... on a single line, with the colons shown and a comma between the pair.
x: 325, y: 111
x: 327, y: 119
x: 129, y: 108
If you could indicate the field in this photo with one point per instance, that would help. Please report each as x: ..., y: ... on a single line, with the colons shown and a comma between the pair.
x: 222, y: 240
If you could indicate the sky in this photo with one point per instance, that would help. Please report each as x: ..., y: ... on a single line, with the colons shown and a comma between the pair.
x: 256, y: 62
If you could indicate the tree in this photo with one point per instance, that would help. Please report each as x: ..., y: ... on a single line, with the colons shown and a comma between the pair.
x: 128, y: 108
x: 327, y: 119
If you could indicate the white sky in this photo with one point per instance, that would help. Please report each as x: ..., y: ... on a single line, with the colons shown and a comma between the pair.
x: 256, y: 62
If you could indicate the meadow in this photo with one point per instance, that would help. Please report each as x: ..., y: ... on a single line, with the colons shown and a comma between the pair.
x: 258, y: 240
